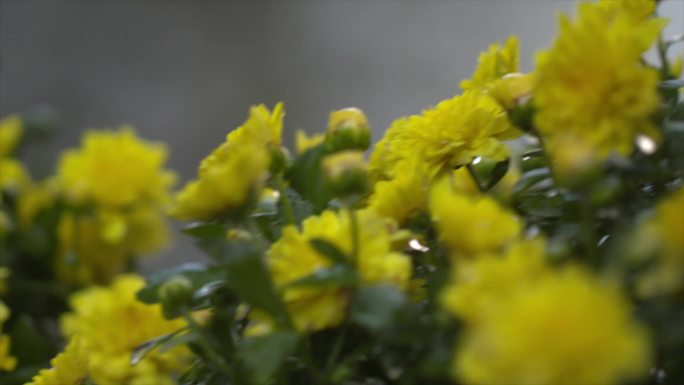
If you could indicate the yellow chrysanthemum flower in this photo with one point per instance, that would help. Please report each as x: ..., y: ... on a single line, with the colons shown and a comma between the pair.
x: 304, y: 142
x: 478, y: 286
x: 403, y: 196
x: 96, y: 248
x: 636, y: 9
x: 111, y: 323
x: 11, y: 128
x: 292, y: 258
x: 69, y: 367
x: 7, y: 361
x: 449, y: 135
x: 566, y: 329
x: 13, y: 175
x: 592, y: 85
x: 236, y: 170
x: 662, y: 236
x: 494, y: 64
x: 471, y: 225
x: 34, y: 199
x: 115, y: 169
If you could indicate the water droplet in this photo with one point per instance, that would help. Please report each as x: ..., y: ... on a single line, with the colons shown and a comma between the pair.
x: 646, y: 145
x: 415, y: 245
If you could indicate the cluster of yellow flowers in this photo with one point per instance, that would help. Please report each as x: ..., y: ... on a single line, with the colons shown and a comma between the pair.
x: 119, y: 180
x: 105, y: 327
x: 521, y: 318
x: 113, y: 192
x: 13, y: 176
x: 592, y: 83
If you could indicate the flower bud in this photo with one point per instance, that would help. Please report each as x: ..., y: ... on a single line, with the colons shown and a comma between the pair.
x: 280, y: 158
x: 347, y: 129
x: 346, y: 173
x: 175, y: 295
x: 512, y: 90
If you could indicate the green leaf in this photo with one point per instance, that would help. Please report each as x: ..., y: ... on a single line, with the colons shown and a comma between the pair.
x: 673, y: 84
x: 330, y: 251
x: 498, y: 172
x: 306, y: 177
x: 531, y: 179
x: 198, y: 273
x: 262, y: 356
x: 532, y: 159
x: 488, y: 172
x: 376, y: 307
x: 28, y: 345
x: 249, y: 277
x: 204, y: 230
x: 541, y: 206
x: 335, y: 275
x: 143, y: 349
x: 300, y: 207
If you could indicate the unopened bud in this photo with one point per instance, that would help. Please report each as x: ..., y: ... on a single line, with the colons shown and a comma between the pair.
x: 512, y: 90
x: 347, y: 129
x: 280, y: 158
x: 175, y: 295
x: 346, y: 173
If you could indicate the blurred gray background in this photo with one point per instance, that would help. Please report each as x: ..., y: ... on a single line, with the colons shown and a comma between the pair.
x: 186, y: 72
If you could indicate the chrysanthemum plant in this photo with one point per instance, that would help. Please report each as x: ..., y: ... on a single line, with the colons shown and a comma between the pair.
x: 529, y: 230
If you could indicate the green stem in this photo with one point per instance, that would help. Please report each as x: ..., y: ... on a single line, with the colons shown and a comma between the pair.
x: 588, y: 230
x: 308, y: 360
x: 545, y: 154
x: 205, y: 342
x: 662, y: 54
x: 335, y: 352
x: 285, y: 201
x: 355, y: 234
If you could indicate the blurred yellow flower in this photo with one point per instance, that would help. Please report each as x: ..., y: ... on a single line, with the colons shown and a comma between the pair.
x: 662, y: 236
x: 111, y: 323
x: 13, y: 175
x: 292, y: 258
x: 479, y: 285
x: 70, y: 367
x: 592, y: 83
x: 96, y: 248
x: 304, y: 142
x: 11, y: 128
x: 235, y: 171
x: 449, y: 135
x: 568, y: 328
x: 115, y: 169
x: 403, y: 196
x: 471, y: 225
x: 34, y: 199
x: 7, y: 361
